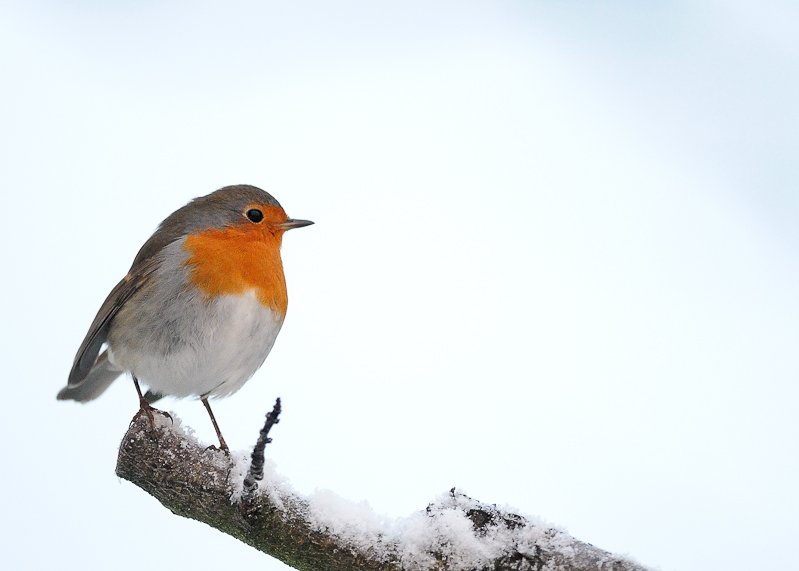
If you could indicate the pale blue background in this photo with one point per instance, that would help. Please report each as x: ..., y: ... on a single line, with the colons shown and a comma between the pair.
x: 554, y: 264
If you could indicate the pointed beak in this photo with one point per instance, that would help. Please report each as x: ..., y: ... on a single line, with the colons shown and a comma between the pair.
x: 291, y: 224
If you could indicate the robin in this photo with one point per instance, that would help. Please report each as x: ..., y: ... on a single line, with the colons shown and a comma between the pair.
x: 200, y: 308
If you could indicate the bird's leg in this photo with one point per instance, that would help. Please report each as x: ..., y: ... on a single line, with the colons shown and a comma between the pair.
x: 222, y: 443
x: 145, y: 407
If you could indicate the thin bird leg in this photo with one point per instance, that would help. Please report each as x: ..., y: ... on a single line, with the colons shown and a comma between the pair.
x: 145, y: 407
x: 222, y: 443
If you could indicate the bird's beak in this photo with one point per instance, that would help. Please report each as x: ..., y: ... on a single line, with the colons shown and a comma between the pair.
x: 291, y: 223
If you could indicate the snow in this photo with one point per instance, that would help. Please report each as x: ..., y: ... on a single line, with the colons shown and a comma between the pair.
x: 444, y: 528
x: 355, y: 524
x: 274, y: 485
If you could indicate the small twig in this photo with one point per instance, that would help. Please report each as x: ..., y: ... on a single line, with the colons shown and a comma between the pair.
x: 256, y: 471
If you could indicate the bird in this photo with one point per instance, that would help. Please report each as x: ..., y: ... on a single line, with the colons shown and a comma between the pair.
x: 200, y: 308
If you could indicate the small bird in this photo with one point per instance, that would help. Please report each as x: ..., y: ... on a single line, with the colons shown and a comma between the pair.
x: 200, y: 308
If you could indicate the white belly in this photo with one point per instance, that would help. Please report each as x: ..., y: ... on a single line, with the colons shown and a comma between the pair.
x: 211, y: 348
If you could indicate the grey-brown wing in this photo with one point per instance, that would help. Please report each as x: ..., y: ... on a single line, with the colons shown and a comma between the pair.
x: 98, y: 331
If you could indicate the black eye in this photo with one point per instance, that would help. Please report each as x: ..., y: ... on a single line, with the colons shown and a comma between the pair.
x: 255, y: 215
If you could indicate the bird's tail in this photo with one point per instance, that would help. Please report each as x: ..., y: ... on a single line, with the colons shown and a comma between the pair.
x: 101, y: 376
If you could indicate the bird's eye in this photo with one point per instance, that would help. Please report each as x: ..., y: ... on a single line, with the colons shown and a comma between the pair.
x: 255, y: 215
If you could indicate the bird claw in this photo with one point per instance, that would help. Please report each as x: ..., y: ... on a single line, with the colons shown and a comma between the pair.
x: 146, y: 409
x: 222, y: 448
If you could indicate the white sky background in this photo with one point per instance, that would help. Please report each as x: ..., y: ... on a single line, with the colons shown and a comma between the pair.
x: 554, y: 261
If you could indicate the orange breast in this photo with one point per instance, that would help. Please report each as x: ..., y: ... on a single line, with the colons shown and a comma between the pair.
x: 239, y: 259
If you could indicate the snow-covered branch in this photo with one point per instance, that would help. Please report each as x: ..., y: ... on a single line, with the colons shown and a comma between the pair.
x: 324, y: 532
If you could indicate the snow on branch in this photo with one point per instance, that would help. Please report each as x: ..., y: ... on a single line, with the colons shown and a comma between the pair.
x: 325, y: 532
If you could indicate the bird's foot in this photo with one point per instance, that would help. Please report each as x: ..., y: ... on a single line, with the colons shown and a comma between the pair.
x: 147, y: 409
x: 222, y: 446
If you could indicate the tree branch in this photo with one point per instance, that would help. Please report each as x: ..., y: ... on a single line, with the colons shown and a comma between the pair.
x: 453, y: 533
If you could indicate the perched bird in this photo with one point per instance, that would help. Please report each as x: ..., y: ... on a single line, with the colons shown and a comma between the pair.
x: 200, y: 308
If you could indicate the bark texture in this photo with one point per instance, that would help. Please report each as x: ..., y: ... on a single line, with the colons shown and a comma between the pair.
x: 453, y: 533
